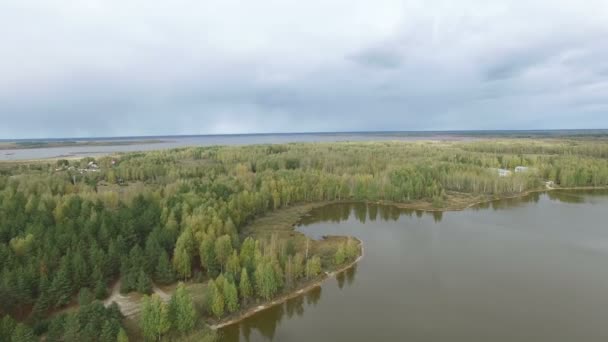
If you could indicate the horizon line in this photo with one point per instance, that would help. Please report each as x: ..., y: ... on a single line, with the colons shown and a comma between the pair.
x: 124, y: 137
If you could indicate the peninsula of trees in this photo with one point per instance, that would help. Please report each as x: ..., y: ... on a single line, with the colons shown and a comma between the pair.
x: 151, y: 219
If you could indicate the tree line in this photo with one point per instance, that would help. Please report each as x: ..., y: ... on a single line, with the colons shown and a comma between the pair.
x: 163, y: 216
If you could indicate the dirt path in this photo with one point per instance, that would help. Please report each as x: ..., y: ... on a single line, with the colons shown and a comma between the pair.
x: 130, y: 304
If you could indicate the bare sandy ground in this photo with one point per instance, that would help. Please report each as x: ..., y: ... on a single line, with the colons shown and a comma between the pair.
x: 130, y: 304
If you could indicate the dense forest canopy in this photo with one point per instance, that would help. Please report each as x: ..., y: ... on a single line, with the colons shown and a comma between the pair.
x: 163, y: 216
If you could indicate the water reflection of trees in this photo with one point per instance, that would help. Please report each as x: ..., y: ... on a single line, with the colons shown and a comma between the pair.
x: 567, y: 196
x: 350, y: 274
x: 576, y: 196
x: 295, y: 306
x: 363, y: 212
x: 267, y: 322
x: 346, y: 277
x: 341, y: 278
x: 313, y: 296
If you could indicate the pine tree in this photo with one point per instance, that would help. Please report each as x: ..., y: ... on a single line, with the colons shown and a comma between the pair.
x: 231, y: 297
x: 72, y: 329
x: 144, y: 285
x: 154, y: 317
x: 90, y: 332
x: 85, y: 296
x: 164, y: 271
x: 128, y: 279
x: 101, y: 289
x: 223, y: 250
x: 216, y: 300
x: 7, y: 326
x: 245, y: 286
x: 61, y: 286
x: 23, y: 333
x: 80, y: 271
x: 184, y: 312
x: 152, y: 251
x: 108, y: 332
x: 233, y: 266
x: 207, y: 255
x: 247, y: 254
x: 44, y: 301
x: 266, y: 285
x: 182, y: 256
x: 56, y: 329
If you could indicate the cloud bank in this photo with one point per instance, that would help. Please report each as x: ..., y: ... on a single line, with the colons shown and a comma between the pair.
x: 109, y: 67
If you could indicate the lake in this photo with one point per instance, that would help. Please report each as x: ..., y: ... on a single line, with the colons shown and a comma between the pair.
x: 530, y: 269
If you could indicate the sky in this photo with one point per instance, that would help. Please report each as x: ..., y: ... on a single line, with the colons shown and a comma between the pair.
x: 121, y: 68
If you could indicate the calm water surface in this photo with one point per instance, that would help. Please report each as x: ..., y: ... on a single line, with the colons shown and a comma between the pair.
x: 532, y: 269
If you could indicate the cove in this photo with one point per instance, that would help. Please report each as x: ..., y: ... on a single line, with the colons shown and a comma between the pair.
x: 527, y: 269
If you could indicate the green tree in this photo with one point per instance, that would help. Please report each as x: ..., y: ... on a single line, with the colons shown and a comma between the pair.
x: 298, y: 266
x: 231, y: 297
x: 216, y: 300
x: 182, y: 256
x: 245, y: 286
x: 313, y: 267
x: 101, y: 289
x: 340, y: 255
x: 7, y: 326
x: 23, y: 333
x: 85, y: 296
x: 144, y: 285
x: 265, y: 281
x: 61, y: 286
x: 233, y: 266
x: 352, y: 249
x: 247, y: 254
x: 44, y: 299
x: 207, y: 255
x: 223, y: 250
x: 72, y: 329
x: 122, y: 336
x: 164, y: 271
x: 154, y: 317
x: 108, y: 332
x: 184, y: 312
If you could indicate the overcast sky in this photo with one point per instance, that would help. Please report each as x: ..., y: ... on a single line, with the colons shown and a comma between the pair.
x: 140, y: 67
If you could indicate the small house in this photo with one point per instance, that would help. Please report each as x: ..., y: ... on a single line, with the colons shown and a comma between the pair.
x: 521, y: 169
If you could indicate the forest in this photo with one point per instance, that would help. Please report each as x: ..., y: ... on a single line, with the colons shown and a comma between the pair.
x: 73, y: 230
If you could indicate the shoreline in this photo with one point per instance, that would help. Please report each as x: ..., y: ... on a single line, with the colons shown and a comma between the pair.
x: 306, y: 287
x: 422, y: 206
x: 298, y: 291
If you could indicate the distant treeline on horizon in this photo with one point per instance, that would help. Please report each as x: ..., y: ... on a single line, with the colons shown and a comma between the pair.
x: 573, y: 133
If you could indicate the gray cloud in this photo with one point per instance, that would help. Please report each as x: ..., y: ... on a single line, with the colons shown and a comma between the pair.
x: 378, y: 58
x: 108, y: 68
